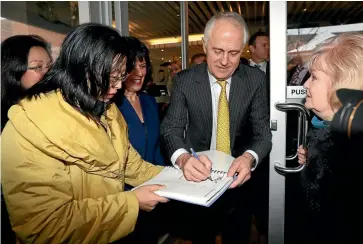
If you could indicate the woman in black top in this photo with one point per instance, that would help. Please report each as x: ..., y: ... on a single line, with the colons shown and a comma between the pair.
x: 331, y: 179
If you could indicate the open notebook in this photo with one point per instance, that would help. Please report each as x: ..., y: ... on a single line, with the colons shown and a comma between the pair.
x: 203, y: 193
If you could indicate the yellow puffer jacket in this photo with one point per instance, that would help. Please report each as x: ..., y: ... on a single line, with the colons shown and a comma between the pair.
x: 63, y: 176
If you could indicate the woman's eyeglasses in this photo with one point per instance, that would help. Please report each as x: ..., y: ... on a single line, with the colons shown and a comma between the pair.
x: 40, y: 68
x: 116, y: 80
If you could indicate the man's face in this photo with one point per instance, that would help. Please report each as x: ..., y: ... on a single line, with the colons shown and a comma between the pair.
x: 261, y: 50
x: 224, y: 48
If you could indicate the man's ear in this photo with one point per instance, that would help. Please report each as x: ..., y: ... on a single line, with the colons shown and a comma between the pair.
x: 204, y: 45
x: 252, y: 48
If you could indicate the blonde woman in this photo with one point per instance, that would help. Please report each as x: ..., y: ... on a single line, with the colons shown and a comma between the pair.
x: 329, y: 180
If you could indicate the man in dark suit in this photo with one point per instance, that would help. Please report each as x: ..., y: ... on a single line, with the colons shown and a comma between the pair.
x: 220, y: 102
x: 259, y: 46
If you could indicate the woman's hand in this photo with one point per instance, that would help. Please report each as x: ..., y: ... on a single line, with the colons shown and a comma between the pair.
x: 147, y: 198
x: 302, y: 154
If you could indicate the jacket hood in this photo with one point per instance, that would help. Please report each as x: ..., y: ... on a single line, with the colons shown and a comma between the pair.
x: 60, y: 131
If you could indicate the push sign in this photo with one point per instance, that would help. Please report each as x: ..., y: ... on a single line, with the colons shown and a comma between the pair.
x: 296, y: 92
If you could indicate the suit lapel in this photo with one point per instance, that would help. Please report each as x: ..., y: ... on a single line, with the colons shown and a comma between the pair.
x: 236, y: 93
x: 204, y: 97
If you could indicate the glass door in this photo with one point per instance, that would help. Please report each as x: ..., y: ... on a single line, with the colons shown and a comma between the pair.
x: 296, y: 28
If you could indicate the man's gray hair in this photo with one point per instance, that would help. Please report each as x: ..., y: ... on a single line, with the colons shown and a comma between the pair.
x: 226, y: 16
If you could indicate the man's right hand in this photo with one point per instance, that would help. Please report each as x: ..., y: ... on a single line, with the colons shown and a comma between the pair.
x: 194, y: 169
x: 147, y: 198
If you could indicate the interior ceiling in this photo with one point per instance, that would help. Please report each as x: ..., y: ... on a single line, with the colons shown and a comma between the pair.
x: 155, y: 19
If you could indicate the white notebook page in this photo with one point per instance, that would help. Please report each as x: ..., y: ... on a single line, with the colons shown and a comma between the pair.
x: 176, y: 183
x: 220, y: 160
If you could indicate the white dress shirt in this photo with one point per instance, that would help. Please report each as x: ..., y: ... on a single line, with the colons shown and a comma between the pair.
x: 262, y: 65
x: 215, y: 91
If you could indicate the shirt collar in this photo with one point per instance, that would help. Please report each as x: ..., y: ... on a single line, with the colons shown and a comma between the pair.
x: 260, y: 64
x: 213, y: 80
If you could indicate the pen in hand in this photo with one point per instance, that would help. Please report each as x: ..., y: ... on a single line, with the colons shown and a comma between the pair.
x: 196, y: 156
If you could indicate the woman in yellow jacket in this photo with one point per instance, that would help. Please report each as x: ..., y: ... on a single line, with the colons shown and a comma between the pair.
x: 65, y: 151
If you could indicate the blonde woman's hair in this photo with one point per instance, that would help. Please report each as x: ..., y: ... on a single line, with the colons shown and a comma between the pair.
x: 341, y: 58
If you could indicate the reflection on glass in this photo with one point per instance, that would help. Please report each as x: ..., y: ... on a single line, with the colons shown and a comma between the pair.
x: 50, y: 20
x: 311, y: 23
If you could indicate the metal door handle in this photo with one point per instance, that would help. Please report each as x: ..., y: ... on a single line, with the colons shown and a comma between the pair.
x: 302, y: 132
x: 299, y: 127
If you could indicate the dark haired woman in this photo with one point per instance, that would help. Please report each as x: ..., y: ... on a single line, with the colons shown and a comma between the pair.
x: 140, y: 109
x: 24, y: 61
x: 65, y: 183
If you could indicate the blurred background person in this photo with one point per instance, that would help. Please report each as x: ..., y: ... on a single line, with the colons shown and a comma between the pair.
x: 174, y: 68
x: 198, y: 58
x: 24, y: 61
x: 259, y: 46
x: 331, y: 180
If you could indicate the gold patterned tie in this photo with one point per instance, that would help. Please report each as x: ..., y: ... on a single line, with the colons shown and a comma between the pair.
x: 223, y: 140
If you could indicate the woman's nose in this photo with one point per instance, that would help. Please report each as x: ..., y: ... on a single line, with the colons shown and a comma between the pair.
x: 137, y: 72
x: 307, y: 83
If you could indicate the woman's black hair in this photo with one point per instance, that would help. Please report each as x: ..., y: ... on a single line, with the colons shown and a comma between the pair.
x: 83, y: 68
x: 14, y: 64
x: 139, y: 51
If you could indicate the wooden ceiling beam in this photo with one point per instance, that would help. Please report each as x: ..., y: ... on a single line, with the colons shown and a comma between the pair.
x: 199, y: 14
x: 203, y: 5
x: 164, y: 26
x: 211, y: 6
x: 220, y: 6
x: 329, y: 10
x: 247, y: 15
x: 239, y: 8
x: 229, y: 6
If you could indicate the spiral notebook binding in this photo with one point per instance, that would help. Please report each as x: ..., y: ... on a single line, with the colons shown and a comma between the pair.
x: 213, y: 171
x: 172, y: 168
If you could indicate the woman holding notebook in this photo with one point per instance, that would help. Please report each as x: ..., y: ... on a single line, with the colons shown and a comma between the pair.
x: 65, y: 150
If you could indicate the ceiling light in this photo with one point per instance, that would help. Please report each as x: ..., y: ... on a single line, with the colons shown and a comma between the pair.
x: 162, y: 50
x: 162, y: 58
x: 169, y: 40
x: 179, y: 57
x: 177, y: 15
x: 304, y: 9
x: 169, y: 60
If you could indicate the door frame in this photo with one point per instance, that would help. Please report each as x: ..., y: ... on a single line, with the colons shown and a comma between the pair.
x: 278, y: 57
